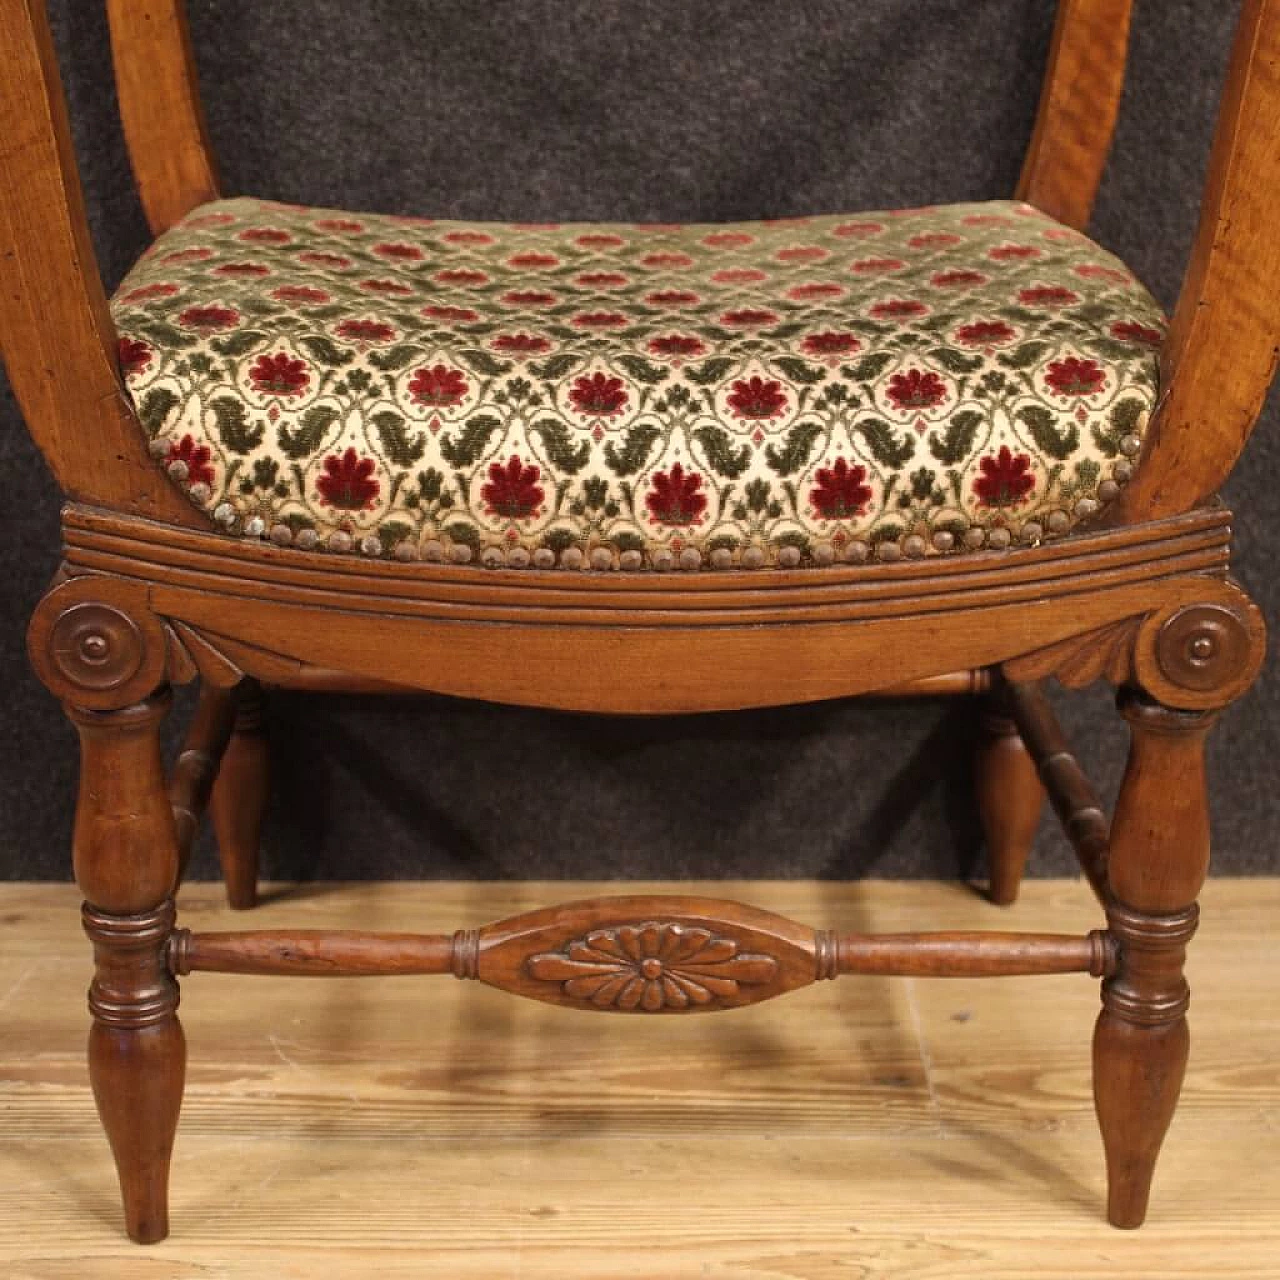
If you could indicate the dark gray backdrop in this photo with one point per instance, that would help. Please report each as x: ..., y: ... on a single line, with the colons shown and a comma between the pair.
x: 637, y: 109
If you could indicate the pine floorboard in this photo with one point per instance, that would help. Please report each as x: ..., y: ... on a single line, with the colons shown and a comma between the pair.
x: 867, y: 1128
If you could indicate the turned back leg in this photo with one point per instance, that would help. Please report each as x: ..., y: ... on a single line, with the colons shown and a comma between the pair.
x: 239, y: 798
x: 1009, y: 795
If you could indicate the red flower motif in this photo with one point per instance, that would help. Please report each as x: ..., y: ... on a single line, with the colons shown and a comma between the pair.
x: 348, y: 482
x: 677, y: 346
x: 812, y: 292
x: 675, y: 498
x: 840, y: 492
x: 986, y: 333
x: 917, y: 389
x: 279, y: 375
x: 756, y: 398
x: 242, y: 270
x: 451, y: 315
x: 858, y: 230
x: 533, y: 261
x: 1131, y: 331
x: 529, y: 298
x: 464, y: 277
x: 739, y: 275
x: 957, y: 279
x: 933, y: 240
x: 478, y: 238
x: 825, y: 345
x: 209, y: 318
x: 599, y: 320
x: 1006, y: 479
x: 345, y: 225
x: 877, y: 266
x: 513, y: 491
x: 195, y: 456
x: 520, y: 345
x: 1048, y: 295
x: 898, y: 309
x: 1013, y: 252
x: 392, y: 287
x: 602, y: 279
x: 399, y: 252
x: 149, y: 291
x: 302, y: 294
x: 335, y: 261
x: 672, y: 298
x: 134, y: 356
x: 1092, y: 271
x: 599, y: 240
x: 366, y: 331
x: 802, y: 253
x: 438, y: 386
x: 265, y: 235
x: 748, y: 318
x: 665, y: 261
x: 188, y: 255
x: 598, y: 396
x: 1075, y: 377
x: 728, y: 240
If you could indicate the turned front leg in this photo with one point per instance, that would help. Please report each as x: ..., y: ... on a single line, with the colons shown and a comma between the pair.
x: 1159, y: 859
x: 126, y: 864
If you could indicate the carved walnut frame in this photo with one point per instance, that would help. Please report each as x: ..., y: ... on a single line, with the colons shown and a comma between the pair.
x: 148, y: 595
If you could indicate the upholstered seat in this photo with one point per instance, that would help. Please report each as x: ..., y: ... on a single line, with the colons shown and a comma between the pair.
x: 804, y: 391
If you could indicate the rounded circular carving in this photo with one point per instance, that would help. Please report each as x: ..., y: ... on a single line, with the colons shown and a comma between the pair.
x: 1204, y: 652
x: 1203, y: 646
x: 96, y: 644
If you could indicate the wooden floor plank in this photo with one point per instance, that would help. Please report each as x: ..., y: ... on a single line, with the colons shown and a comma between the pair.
x: 863, y: 1129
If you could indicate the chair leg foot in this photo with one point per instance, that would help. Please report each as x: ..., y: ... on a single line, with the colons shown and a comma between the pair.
x: 239, y: 798
x: 1010, y: 798
x: 1159, y: 859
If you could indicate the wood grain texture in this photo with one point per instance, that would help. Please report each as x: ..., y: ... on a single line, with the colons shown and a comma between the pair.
x: 239, y: 800
x: 56, y: 334
x: 159, y: 94
x: 1221, y: 353
x: 1079, y: 104
x: 793, y: 1141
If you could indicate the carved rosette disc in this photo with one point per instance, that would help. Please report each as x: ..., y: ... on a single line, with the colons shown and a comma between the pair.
x: 652, y: 967
x: 95, y: 643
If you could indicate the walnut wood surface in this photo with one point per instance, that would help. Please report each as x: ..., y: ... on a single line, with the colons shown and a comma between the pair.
x: 159, y: 94
x: 1009, y: 795
x: 239, y: 798
x: 191, y: 779
x: 1079, y: 104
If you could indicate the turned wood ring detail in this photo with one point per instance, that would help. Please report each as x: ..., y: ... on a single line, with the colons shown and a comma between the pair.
x: 96, y: 646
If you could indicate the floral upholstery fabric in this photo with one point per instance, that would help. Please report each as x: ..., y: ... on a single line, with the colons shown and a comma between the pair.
x: 799, y: 392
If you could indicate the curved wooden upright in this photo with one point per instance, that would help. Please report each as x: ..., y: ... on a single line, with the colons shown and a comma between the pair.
x: 149, y: 595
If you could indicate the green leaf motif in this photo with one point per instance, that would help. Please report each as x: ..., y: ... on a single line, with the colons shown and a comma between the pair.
x: 795, y: 452
x: 642, y: 370
x: 800, y: 371
x: 568, y: 458
x: 887, y: 450
x: 1024, y: 355
x: 954, y: 361
x: 483, y: 363
x: 869, y: 368
x: 467, y: 534
x: 954, y: 442
x: 155, y: 408
x: 757, y: 494
x: 325, y: 350
x: 233, y: 429
x: 394, y: 435
x: 163, y: 334
x: 471, y: 440
x: 556, y: 366
x: 395, y: 358
x: 237, y: 344
x: 1042, y: 424
x: 310, y: 432
x: 630, y: 458
x: 709, y: 371
x: 724, y: 459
